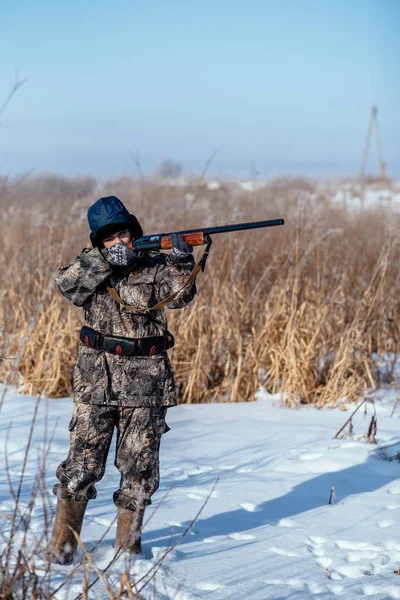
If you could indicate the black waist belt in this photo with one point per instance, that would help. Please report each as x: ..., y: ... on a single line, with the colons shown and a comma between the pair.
x: 124, y: 346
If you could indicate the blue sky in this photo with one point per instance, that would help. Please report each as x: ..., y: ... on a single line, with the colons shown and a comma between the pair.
x: 288, y: 84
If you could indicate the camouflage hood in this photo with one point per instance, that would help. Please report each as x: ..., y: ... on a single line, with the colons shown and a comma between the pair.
x: 107, y: 215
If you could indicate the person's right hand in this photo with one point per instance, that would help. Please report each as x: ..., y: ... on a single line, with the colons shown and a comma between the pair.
x: 119, y: 255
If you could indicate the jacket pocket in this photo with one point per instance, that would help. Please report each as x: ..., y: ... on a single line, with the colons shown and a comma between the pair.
x: 144, y: 375
x: 158, y: 420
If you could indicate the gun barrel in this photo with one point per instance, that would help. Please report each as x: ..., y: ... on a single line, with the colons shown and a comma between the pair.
x: 236, y: 227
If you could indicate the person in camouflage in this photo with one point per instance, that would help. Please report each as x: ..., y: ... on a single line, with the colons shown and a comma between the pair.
x: 129, y: 393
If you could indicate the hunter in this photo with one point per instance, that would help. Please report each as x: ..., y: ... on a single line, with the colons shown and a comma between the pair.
x: 123, y: 377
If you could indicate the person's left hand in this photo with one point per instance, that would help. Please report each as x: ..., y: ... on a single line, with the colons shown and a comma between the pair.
x: 181, y: 250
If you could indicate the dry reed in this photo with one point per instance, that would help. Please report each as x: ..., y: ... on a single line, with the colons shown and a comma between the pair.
x: 299, y: 309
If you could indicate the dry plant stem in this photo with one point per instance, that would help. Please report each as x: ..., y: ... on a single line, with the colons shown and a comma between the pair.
x: 158, y: 506
x: 18, y: 494
x: 207, y: 164
x: 349, y: 419
x: 17, y: 84
x: 157, y: 565
x: 112, y: 561
x: 395, y: 404
x: 126, y: 584
x: 91, y: 562
x: 40, y: 486
x: 10, y: 485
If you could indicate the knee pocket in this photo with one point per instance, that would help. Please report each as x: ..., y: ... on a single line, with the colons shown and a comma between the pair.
x: 158, y: 421
x: 153, y: 435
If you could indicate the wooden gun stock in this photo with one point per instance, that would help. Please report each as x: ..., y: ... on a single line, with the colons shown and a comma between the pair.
x: 194, y: 239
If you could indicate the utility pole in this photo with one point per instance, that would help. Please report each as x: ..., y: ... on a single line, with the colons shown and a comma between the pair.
x: 373, y: 126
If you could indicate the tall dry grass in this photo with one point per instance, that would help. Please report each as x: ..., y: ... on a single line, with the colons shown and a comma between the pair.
x: 299, y: 309
x: 24, y: 572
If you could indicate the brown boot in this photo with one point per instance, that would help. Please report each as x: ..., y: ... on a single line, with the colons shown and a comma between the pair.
x: 129, y: 529
x: 62, y: 546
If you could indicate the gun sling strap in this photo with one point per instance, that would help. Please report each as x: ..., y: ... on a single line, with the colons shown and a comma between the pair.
x: 199, y: 266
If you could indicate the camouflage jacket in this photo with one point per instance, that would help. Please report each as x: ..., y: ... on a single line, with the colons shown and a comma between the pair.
x: 103, y: 378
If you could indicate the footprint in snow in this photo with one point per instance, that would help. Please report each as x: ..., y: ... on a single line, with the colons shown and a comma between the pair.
x: 394, y: 489
x: 354, y: 572
x: 314, y: 588
x: 201, y: 493
x: 310, y: 456
x: 241, y: 536
x: 384, y: 523
x: 213, y: 539
x: 391, y: 546
x: 200, y: 469
x: 316, y: 547
x: 353, y: 557
x: 250, y: 507
x: 382, y: 560
x: 283, y: 552
x: 362, y: 558
x: 317, y: 540
x: 324, y: 561
x: 286, y: 523
x: 244, y: 470
x: 336, y: 589
x: 390, y: 591
x: 392, y: 506
x: 207, y: 586
x: 178, y: 474
x: 344, y: 545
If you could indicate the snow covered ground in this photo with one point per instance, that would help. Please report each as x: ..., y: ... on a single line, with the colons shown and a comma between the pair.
x: 267, y: 530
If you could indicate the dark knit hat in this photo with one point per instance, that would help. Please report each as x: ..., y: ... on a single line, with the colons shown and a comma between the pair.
x: 107, y: 216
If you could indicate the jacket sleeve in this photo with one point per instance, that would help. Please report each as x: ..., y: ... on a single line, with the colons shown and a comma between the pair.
x: 79, y: 280
x: 171, y: 277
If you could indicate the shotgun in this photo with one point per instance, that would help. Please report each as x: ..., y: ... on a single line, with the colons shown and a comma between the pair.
x: 196, y: 237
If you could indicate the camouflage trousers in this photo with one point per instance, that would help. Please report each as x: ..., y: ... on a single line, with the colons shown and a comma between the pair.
x: 139, y: 432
